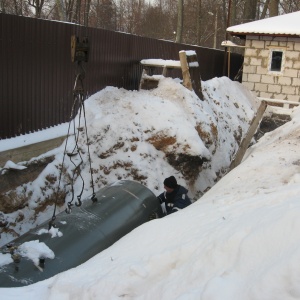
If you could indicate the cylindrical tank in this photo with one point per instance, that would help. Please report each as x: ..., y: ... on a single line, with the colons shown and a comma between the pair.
x: 86, y: 231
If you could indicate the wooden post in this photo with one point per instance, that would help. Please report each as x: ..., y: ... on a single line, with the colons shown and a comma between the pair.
x: 195, y: 74
x: 247, y: 139
x: 185, y: 71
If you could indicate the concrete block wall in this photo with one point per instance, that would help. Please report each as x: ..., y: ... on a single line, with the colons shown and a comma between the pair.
x: 256, y: 75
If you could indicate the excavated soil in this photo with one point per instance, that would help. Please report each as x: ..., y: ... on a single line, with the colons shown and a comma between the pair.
x: 270, y: 123
x: 11, y: 178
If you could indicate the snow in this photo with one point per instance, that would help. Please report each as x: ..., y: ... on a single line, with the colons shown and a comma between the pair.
x: 5, y: 259
x: 34, y: 250
x: 35, y: 137
x: 288, y: 24
x: 11, y: 165
x: 240, y: 240
x: 54, y: 232
x: 161, y: 62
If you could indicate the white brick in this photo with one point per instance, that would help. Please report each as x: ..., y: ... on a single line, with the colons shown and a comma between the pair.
x: 255, y: 61
x: 254, y: 77
x: 248, y: 43
x: 245, y: 77
x: 281, y: 96
x: 296, y: 65
x: 289, y: 64
x: 295, y: 98
x: 290, y: 73
x: 297, y: 46
x: 250, y: 69
x: 272, y: 43
x: 265, y: 62
x: 284, y: 80
x: 261, y: 70
x: 274, y: 88
x: 263, y: 53
x: 249, y: 85
x: 290, y: 46
x: 268, y: 79
x: 246, y: 61
x: 258, y: 44
x: 251, y: 52
x: 292, y: 55
x: 296, y: 82
x: 265, y: 95
x: 290, y: 90
x: 261, y: 87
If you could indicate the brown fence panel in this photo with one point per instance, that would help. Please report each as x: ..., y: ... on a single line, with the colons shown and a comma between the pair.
x: 37, y: 76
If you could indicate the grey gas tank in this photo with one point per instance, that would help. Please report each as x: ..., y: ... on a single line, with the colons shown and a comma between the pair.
x: 86, y: 231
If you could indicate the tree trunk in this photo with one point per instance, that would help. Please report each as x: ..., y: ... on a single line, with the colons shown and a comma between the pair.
x: 273, y: 8
x: 198, y: 22
x: 179, y: 22
x: 264, y: 12
x: 250, y: 10
x: 61, y: 10
x: 233, y: 13
x: 87, y: 12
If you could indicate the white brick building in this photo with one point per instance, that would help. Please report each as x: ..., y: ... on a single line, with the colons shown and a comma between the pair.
x: 271, y: 66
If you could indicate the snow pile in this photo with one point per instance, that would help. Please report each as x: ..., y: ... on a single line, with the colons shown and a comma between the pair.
x: 11, y: 165
x: 239, y: 241
x: 34, y: 250
x: 144, y: 136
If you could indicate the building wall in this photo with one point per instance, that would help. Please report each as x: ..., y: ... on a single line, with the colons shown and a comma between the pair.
x: 283, y: 85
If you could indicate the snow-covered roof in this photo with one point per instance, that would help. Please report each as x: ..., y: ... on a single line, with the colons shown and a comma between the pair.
x: 284, y: 25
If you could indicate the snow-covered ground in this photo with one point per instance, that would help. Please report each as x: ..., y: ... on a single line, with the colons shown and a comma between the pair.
x: 144, y: 136
x: 238, y: 241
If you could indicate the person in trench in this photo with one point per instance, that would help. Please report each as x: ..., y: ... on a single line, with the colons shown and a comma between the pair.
x: 174, y: 198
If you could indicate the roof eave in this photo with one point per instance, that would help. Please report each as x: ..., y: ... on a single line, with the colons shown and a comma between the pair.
x: 243, y: 35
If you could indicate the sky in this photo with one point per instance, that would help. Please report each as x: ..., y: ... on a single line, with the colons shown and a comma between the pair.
x: 239, y: 240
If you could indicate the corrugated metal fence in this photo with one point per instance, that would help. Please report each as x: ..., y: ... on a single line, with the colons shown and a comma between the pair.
x: 37, y: 75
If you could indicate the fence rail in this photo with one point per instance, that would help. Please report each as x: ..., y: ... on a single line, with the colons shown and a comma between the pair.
x: 37, y: 75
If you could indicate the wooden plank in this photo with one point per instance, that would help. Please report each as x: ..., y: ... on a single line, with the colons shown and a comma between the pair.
x: 194, y: 73
x: 185, y: 71
x: 247, y: 139
x: 279, y: 101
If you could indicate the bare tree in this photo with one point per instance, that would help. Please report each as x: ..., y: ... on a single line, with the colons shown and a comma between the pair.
x: 61, y: 10
x: 198, y: 21
x: 265, y: 8
x: 38, y: 6
x: 16, y: 7
x: 289, y: 6
x: 273, y: 8
x: 3, y: 6
x: 201, y: 22
x: 179, y: 22
x: 250, y: 10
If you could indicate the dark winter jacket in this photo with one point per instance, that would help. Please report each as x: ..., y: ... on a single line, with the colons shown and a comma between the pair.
x: 176, y: 200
